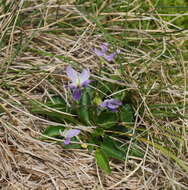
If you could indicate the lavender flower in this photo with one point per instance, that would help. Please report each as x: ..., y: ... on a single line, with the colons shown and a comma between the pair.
x: 71, y: 133
x: 111, y: 104
x: 79, y: 81
x: 103, y: 52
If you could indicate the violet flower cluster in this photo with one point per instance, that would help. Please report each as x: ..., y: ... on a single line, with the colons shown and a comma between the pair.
x: 103, y: 52
x: 79, y: 81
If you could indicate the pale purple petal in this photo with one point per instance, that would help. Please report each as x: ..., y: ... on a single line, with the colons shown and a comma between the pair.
x: 104, y: 104
x: 111, y: 104
x: 72, y: 86
x: 71, y: 133
x: 110, y: 57
x: 104, y: 47
x: 98, y: 52
x: 76, y: 93
x: 67, y: 141
x: 102, y: 52
x: 84, y: 76
x: 72, y: 74
x: 86, y: 83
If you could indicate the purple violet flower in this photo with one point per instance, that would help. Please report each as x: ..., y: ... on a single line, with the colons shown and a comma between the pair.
x: 71, y: 133
x: 79, y: 81
x: 111, y: 104
x: 103, y: 52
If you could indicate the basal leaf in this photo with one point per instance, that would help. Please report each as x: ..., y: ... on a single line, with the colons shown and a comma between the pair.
x: 73, y: 146
x: 53, y: 131
x: 102, y: 161
x: 126, y: 113
x: 84, y: 109
x: 111, y: 149
x: 58, y: 100
x: 98, y: 132
x: 52, y: 113
x: 134, y: 151
x: 107, y: 119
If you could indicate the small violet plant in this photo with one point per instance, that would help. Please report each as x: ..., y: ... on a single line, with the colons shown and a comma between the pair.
x: 103, y: 52
x: 111, y: 104
x: 71, y: 133
x: 79, y: 81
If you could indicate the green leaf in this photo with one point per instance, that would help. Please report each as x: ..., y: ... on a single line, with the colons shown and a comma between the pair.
x: 107, y: 119
x: 134, y: 151
x: 111, y: 149
x: 92, y: 142
x: 73, y: 146
x: 52, y: 131
x: 102, y: 161
x: 53, y: 113
x: 57, y: 103
x: 98, y: 132
x: 84, y: 109
x: 58, y: 100
x: 126, y: 113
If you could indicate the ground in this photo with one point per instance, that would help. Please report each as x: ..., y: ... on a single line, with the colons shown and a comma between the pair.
x: 39, y: 39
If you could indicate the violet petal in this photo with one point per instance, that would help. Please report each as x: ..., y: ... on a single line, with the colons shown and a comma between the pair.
x: 98, y: 52
x: 72, y: 74
x: 86, y: 83
x: 104, y: 104
x: 114, y: 102
x: 76, y: 93
x: 111, y: 104
x: 67, y: 141
x: 72, y: 86
x: 104, y: 47
x: 72, y: 132
x: 84, y: 76
x: 102, y: 52
x: 110, y: 57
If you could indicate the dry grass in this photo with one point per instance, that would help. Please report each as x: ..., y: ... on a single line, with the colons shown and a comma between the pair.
x: 38, y: 40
